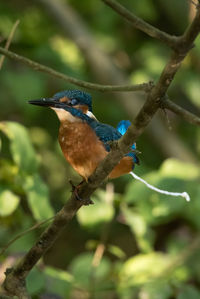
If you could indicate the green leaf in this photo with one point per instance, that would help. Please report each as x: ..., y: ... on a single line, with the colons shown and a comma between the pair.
x: 193, y: 210
x: 82, y: 269
x: 35, y: 281
x: 8, y: 202
x: 117, y: 251
x: 21, y: 148
x: 59, y: 274
x: 33, y: 86
x: 143, y: 234
x: 143, y: 267
x: 158, y: 208
x: 58, y: 281
x: 192, y: 88
x: 157, y: 290
x: 189, y: 292
x: 145, y: 9
x: 68, y: 51
x: 38, y: 197
x: 101, y: 211
x: 9, y: 172
x: 23, y: 244
x: 155, y: 207
x: 179, y: 169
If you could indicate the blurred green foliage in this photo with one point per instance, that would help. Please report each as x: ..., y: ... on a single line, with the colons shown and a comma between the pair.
x: 147, y: 237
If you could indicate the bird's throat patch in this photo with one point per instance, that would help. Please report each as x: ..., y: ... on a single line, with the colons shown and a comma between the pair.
x: 64, y: 115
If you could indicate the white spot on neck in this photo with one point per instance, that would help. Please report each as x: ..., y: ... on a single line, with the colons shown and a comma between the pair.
x: 64, y: 115
x: 91, y: 115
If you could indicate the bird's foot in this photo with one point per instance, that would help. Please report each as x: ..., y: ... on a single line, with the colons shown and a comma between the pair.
x: 75, y: 189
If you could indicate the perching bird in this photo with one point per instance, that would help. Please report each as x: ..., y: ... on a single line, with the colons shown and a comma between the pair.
x: 84, y: 140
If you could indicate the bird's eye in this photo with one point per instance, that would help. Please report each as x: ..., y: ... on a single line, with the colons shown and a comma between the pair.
x: 73, y: 102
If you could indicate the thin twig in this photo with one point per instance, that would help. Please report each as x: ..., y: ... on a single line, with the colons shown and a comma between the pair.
x: 186, y: 115
x: 101, y: 247
x: 99, y: 87
x: 146, y: 87
x: 10, y: 37
x: 140, y: 24
x: 20, y: 235
x: 109, y: 197
x: 194, y: 3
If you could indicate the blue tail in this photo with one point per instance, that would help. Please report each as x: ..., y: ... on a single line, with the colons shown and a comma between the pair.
x: 122, y: 128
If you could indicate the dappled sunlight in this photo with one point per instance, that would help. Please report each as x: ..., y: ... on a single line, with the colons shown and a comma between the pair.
x: 68, y: 52
x: 179, y: 169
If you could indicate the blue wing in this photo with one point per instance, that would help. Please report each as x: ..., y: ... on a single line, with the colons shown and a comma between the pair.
x: 122, y: 128
x: 108, y: 133
x: 105, y: 133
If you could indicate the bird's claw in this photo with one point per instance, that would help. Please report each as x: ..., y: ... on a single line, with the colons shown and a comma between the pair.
x: 87, y: 201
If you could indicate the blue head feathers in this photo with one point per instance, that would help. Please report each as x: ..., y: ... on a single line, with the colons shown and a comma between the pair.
x: 82, y: 97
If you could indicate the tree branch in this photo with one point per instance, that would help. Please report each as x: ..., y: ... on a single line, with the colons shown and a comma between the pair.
x: 103, y: 68
x: 99, y: 87
x: 10, y: 37
x: 15, y: 278
x: 105, y: 71
x: 140, y: 24
x: 186, y: 115
x: 146, y: 87
x: 24, y: 233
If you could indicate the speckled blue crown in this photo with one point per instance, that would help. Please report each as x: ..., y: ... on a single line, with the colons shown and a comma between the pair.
x: 83, y: 97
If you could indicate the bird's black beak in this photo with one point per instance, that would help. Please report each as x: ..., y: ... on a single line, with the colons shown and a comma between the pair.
x: 45, y: 102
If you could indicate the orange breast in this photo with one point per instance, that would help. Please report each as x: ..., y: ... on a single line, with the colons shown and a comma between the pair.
x: 81, y: 147
x: 83, y: 150
x: 124, y: 166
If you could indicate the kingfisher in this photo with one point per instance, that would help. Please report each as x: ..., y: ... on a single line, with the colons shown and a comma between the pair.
x: 84, y: 140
